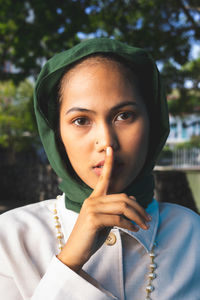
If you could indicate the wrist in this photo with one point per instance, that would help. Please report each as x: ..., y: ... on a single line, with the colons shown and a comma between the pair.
x: 69, y: 263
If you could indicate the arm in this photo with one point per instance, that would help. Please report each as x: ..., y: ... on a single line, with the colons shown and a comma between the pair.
x: 60, y: 282
x: 99, y: 213
x: 64, y: 278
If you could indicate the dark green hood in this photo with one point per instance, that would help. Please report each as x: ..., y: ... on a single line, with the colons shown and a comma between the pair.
x: 46, y: 109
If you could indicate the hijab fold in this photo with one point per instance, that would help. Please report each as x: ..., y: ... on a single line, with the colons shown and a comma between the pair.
x: 46, y: 110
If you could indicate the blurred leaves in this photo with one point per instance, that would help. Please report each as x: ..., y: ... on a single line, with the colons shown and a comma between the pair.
x: 194, y: 142
x: 187, y: 102
x: 164, y: 28
x: 17, y: 125
x: 184, y: 100
x: 32, y: 31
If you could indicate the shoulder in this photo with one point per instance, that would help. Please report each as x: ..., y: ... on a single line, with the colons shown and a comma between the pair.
x: 22, y: 231
x: 178, y: 255
x: 26, y: 226
x: 179, y: 222
x: 25, y: 215
x: 178, y: 213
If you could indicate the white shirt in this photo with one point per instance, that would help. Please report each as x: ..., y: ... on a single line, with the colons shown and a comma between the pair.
x: 29, y: 268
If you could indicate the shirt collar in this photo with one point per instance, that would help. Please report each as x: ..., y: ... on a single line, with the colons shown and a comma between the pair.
x: 147, y: 237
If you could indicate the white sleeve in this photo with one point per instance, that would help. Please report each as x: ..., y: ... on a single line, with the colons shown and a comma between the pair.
x: 8, y: 290
x: 60, y: 282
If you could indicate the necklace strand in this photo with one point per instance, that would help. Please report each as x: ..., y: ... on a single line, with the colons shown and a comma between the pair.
x: 152, y: 275
x: 152, y: 266
x: 57, y: 225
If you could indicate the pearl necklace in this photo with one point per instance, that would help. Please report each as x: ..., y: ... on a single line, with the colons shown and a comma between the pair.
x: 152, y: 275
x: 152, y: 266
x: 57, y: 224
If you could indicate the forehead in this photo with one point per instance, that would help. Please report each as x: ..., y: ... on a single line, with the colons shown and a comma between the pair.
x: 87, y: 68
x: 107, y: 62
x: 98, y: 86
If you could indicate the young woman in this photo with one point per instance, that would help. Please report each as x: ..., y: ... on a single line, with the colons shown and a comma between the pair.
x: 103, y: 120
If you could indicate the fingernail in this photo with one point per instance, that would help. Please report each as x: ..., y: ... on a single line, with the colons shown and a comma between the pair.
x: 149, y: 217
x: 145, y: 226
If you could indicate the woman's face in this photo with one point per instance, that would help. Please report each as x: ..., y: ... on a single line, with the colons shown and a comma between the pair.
x: 100, y: 108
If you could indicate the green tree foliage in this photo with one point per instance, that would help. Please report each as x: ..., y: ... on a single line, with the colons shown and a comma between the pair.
x: 165, y: 28
x: 17, y: 127
x: 193, y: 143
x: 184, y: 100
x: 191, y: 72
x: 31, y: 31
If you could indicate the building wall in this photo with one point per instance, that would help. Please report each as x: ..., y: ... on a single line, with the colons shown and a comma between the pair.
x: 183, y: 128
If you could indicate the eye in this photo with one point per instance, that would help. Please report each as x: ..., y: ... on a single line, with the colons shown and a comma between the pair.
x: 82, y: 121
x: 127, y: 115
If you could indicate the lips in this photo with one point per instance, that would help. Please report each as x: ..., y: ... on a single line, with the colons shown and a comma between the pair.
x: 99, y: 167
x: 117, y: 165
x: 100, y: 164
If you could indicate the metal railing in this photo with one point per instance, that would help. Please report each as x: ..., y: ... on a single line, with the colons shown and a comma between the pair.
x: 182, y: 158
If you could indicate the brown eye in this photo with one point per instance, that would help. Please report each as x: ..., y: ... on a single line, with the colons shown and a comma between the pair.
x: 127, y: 115
x: 81, y: 121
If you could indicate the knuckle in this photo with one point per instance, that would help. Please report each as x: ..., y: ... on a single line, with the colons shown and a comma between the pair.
x: 123, y: 195
x: 86, y: 203
x: 123, y: 206
x: 88, y: 206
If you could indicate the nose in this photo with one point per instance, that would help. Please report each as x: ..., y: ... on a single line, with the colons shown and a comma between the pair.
x: 106, y: 136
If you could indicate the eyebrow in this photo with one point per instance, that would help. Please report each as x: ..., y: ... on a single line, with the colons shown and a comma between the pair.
x: 118, y: 106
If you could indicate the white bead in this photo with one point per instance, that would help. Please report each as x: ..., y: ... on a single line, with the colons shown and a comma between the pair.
x: 152, y: 275
x: 151, y: 254
x: 150, y: 288
x: 59, y: 236
x: 153, y: 266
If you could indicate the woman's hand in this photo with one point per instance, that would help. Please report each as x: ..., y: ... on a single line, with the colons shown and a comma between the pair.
x: 99, y: 213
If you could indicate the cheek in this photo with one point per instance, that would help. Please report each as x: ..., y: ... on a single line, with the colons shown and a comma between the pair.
x: 137, y: 137
x: 77, y: 148
x: 136, y: 150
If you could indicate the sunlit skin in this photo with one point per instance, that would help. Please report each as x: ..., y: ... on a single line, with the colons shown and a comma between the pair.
x: 100, y: 108
x: 103, y: 119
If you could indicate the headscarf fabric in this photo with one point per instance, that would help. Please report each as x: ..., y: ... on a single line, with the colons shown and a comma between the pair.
x: 46, y: 110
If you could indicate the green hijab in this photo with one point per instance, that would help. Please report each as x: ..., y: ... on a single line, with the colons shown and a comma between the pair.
x: 46, y: 110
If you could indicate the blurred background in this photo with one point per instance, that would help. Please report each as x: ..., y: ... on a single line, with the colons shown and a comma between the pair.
x: 31, y: 31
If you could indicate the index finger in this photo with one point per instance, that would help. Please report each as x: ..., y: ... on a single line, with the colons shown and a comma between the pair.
x: 103, y: 183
